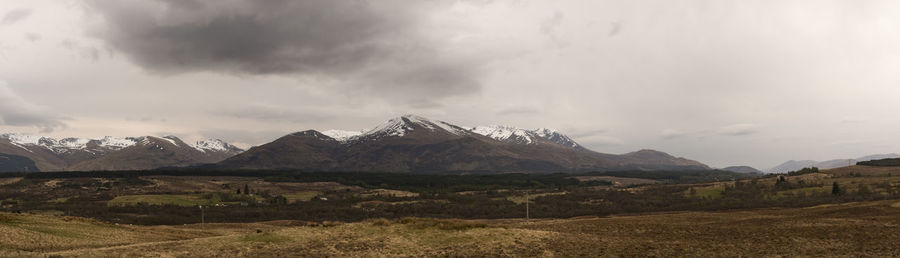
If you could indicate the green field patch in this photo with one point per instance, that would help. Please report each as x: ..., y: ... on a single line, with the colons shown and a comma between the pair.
x: 268, y: 238
x: 711, y: 193
x: 520, y: 199
x: 806, y: 190
x: 301, y: 196
x: 163, y: 199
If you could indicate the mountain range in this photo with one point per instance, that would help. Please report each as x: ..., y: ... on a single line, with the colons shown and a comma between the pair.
x: 416, y: 144
x: 742, y: 169
x: 794, y: 165
x: 111, y: 153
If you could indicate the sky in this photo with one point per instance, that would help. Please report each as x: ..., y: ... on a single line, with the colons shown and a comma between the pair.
x: 722, y: 82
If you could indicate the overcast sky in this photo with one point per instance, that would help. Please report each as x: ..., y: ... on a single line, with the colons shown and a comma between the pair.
x: 722, y: 82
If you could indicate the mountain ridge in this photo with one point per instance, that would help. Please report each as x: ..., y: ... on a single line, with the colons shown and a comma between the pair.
x: 413, y: 143
x: 80, y: 154
x: 794, y: 165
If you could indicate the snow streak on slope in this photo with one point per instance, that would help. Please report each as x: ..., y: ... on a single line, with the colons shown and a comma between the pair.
x: 214, y: 145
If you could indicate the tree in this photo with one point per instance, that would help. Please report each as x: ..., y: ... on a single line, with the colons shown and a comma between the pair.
x: 836, y: 189
x: 246, y: 189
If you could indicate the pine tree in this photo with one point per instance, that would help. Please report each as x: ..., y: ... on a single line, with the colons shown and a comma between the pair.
x: 835, y: 189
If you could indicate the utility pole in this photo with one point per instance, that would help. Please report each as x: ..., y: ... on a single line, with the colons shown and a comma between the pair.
x: 202, y: 217
x: 527, y: 211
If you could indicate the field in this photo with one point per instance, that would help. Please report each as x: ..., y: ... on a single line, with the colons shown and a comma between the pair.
x: 672, y: 213
x: 865, y: 228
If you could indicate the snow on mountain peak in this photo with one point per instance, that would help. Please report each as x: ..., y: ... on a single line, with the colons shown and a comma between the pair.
x: 22, y: 139
x: 400, y: 126
x: 505, y: 133
x: 117, y: 143
x: 524, y: 136
x: 341, y: 135
x: 210, y: 145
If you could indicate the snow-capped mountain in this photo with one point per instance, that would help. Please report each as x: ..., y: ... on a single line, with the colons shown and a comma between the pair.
x: 524, y: 136
x: 51, y: 154
x: 416, y: 144
x: 401, y: 126
x: 341, y: 135
x: 214, y: 145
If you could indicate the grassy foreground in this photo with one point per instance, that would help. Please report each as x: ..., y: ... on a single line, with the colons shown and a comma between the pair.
x: 867, y: 228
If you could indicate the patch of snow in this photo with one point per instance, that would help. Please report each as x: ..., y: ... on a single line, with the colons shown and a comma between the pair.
x: 505, y: 133
x: 74, y: 143
x: 214, y: 145
x: 341, y: 135
x: 23, y: 139
x: 118, y: 143
x: 170, y: 139
x: 393, y: 127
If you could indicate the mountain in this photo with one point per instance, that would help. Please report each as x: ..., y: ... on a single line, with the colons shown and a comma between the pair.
x: 416, y: 144
x: 742, y: 169
x: 13, y: 163
x: 828, y: 164
x: 111, y: 153
x: 523, y: 136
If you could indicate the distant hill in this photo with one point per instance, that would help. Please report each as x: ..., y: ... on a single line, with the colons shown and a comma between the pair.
x: 13, y: 163
x: 417, y: 144
x: 742, y: 169
x: 794, y: 165
x: 881, y: 163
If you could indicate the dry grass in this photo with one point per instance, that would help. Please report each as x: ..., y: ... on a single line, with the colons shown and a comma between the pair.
x: 422, y: 238
x: 856, y: 229
x: 7, y: 181
x: 853, y: 229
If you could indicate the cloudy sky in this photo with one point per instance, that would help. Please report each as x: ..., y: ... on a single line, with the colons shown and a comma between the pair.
x: 722, y: 82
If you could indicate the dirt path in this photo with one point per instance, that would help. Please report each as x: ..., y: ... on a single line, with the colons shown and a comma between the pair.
x: 82, y: 251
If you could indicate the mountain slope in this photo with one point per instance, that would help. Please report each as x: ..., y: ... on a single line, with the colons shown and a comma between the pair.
x: 417, y: 144
x: 742, y: 169
x: 13, y: 163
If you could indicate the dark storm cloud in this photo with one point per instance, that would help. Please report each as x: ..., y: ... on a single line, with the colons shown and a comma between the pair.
x: 377, y: 45
x: 15, y: 15
x: 16, y: 111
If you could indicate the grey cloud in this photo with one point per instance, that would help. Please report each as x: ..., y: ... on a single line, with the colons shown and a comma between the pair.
x: 15, y: 15
x: 587, y: 134
x: 523, y: 110
x: 243, y: 138
x: 670, y: 134
x: 16, y: 111
x: 614, y: 28
x: 33, y: 37
x: 739, y: 130
x: 377, y: 46
x: 270, y: 113
x: 548, y: 26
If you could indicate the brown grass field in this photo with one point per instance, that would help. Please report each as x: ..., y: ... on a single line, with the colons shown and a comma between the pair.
x: 852, y: 229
